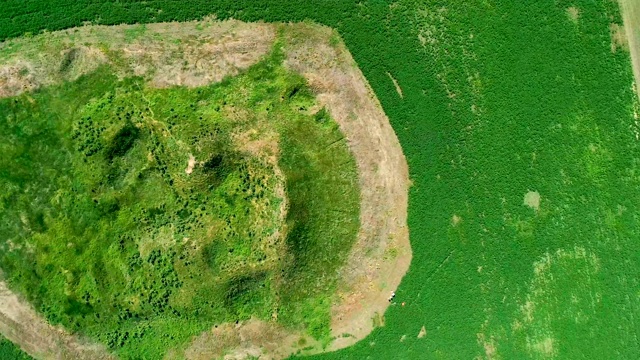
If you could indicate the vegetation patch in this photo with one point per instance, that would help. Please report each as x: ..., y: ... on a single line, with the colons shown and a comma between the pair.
x: 108, y: 235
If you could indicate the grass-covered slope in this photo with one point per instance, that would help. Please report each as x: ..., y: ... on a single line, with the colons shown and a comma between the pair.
x: 141, y: 217
x: 499, y: 99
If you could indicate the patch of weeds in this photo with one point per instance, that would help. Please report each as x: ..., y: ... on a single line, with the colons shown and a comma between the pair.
x: 134, y: 32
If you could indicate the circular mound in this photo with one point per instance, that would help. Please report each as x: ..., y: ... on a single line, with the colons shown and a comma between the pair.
x: 142, y: 217
x: 157, y: 214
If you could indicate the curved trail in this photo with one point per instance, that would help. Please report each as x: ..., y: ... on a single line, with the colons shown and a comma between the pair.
x: 20, y: 323
x: 370, y: 273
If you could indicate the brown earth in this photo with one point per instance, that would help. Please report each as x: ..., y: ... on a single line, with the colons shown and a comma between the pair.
x: 199, y: 53
x: 631, y: 16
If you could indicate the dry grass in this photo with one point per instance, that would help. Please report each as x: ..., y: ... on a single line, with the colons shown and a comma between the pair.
x: 339, y: 85
x: 618, y: 37
x: 532, y: 200
x: 574, y: 14
x: 167, y: 54
x: 631, y: 16
x: 422, y: 333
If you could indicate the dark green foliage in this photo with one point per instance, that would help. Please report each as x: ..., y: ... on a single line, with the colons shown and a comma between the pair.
x: 544, y: 86
x: 68, y: 60
x: 9, y: 351
x: 238, y: 290
x: 122, y: 141
x: 322, y: 116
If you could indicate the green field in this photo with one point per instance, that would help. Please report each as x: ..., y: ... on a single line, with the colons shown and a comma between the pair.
x: 500, y: 99
x: 8, y: 351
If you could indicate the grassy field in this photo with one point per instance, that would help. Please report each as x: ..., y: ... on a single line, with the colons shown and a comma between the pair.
x: 115, y: 231
x: 8, y: 351
x: 517, y: 120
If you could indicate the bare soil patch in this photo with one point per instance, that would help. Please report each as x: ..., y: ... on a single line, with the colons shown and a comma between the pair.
x: 574, y: 14
x: 422, y: 333
x: 618, y: 37
x: 631, y: 16
x: 199, y: 53
x: 532, y: 200
x: 190, y: 165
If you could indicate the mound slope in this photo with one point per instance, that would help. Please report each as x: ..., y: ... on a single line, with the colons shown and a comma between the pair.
x: 381, y: 254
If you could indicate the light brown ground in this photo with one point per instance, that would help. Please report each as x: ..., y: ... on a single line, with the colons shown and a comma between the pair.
x: 167, y: 54
x: 369, y: 276
x: 21, y: 324
x: 532, y: 200
x: 631, y: 15
x: 574, y: 14
x: 422, y: 333
x: 195, y: 54
x: 618, y: 37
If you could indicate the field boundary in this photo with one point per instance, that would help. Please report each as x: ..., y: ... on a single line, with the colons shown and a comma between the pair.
x: 382, y: 253
x: 630, y: 10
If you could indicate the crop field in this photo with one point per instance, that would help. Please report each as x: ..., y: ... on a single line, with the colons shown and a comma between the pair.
x: 9, y: 351
x: 519, y: 122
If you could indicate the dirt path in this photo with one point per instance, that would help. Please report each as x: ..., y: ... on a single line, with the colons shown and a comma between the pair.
x: 210, y: 50
x: 22, y: 325
x: 382, y: 253
x: 631, y: 15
